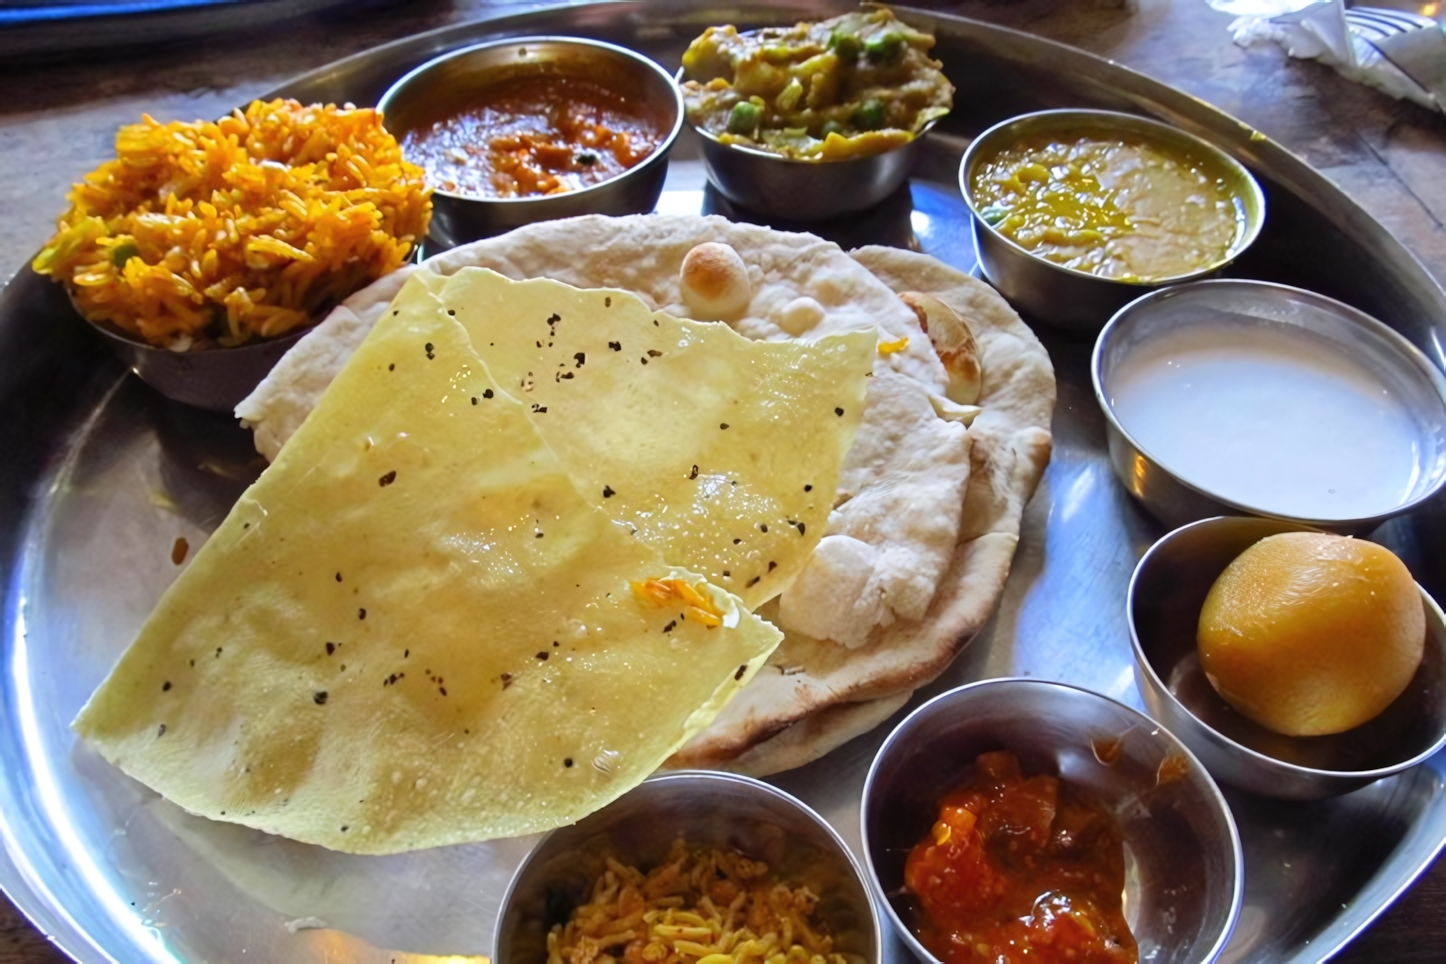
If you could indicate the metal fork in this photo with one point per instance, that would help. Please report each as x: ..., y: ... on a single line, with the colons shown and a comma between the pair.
x: 1414, y: 44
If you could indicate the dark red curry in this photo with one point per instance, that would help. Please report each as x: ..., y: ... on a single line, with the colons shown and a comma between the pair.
x: 534, y: 135
x: 1021, y: 869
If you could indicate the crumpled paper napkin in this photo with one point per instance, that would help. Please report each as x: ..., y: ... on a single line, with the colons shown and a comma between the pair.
x: 1317, y: 30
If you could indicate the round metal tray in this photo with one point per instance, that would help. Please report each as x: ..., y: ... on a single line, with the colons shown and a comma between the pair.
x: 101, y: 476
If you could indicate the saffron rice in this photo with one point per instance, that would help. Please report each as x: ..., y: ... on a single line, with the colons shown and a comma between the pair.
x: 207, y: 234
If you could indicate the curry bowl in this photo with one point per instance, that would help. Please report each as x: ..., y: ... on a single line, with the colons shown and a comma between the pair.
x: 710, y: 811
x: 1166, y: 594
x: 463, y: 117
x: 817, y: 120
x: 804, y: 190
x: 1173, y: 821
x: 1146, y: 205
x: 1235, y: 397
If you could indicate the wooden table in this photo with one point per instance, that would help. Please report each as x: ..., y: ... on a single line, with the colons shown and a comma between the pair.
x: 57, y: 121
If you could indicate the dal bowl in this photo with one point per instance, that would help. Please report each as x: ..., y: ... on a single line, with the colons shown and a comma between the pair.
x: 470, y: 79
x: 1176, y: 825
x: 1234, y: 397
x: 1039, y: 172
x: 1166, y: 595
x: 707, y: 809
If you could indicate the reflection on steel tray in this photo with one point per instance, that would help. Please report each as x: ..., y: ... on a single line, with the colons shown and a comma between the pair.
x: 101, y: 476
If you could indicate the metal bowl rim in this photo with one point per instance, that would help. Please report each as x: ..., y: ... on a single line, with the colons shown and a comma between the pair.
x: 1396, y: 340
x: 661, y: 151
x: 1154, y: 727
x: 770, y: 156
x: 116, y: 335
x: 862, y: 877
x: 1247, y: 237
x: 1255, y: 756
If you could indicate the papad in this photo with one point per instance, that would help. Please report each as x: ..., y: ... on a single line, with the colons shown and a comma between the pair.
x: 412, y: 630
x: 973, y: 484
x: 721, y: 452
x: 789, y: 275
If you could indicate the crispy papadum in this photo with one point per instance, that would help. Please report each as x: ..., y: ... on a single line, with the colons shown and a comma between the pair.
x: 413, y: 630
x: 721, y: 452
x: 927, y: 513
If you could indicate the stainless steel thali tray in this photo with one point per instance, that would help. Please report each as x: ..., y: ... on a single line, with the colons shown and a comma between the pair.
x: 101, y: 476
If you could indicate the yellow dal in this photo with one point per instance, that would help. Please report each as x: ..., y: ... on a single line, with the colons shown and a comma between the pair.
x: 1125, y: 208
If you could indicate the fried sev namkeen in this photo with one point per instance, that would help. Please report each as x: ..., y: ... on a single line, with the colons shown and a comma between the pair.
x: 698, y: 907
x: 217, y: 234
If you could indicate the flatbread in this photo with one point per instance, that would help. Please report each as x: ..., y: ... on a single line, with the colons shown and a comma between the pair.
x: 413, y: 630
x: 278, y: 406
x: 789, y: 714
x: 644, y: 254
x: 881, y: 558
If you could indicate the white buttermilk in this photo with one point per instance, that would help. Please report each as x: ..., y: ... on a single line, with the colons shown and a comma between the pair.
x: 1272, y: 419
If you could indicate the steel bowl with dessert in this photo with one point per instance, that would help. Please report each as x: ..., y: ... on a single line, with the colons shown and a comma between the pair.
x: 530, y: 129
x: 1077, y: 212
x: 816, y: 120
x: 1166, y: 595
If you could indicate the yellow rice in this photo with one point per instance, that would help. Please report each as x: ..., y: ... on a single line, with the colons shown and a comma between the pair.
x: 699, y: 907
x: 222, y: 233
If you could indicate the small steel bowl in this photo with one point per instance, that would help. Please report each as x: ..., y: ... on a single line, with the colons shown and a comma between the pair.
x: 1175, y: 823
x: 453, y: 78
x: 1072, y: 299
x: 215, y: 379
x: 802, y: 190
x: 1320, y: 324
x: 705, y: 809
x: 1166, y: 595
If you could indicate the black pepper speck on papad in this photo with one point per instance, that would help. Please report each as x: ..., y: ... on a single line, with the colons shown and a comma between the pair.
x: 274, y: 736
x: 651, y: 436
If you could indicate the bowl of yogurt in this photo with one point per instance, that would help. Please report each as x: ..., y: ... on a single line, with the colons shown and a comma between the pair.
x: 1241, y: 397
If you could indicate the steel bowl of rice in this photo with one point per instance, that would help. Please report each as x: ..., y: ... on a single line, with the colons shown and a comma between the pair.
x: 691, y: 866
x: 203, y: 249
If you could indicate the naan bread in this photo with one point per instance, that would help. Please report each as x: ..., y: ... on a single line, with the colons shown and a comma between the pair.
x: 814, y: 695
x: 413, y: 630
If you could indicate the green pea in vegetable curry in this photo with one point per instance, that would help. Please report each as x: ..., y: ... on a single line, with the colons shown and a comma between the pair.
x: 856, y: 85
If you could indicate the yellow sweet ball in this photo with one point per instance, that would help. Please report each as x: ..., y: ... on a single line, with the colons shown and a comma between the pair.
x: 1309, y: 634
